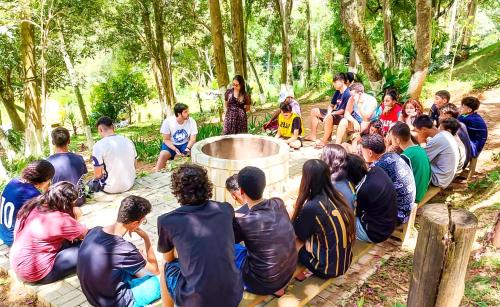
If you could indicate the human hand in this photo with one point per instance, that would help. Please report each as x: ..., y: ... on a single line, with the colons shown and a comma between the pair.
x: 141, y: 233
x: 357, y: 127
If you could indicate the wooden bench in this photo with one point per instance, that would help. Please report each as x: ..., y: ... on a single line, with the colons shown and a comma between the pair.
x: 300, y: 293
x: 472, y: 168
x: 403, y: 232
x: 431, y: 192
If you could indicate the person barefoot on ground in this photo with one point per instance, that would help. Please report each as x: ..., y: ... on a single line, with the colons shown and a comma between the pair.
x: 237, y: 103
x: 286, y: 96
x: 333, y: 114
x: 389, y: 111
x: 201, y: 232
x: 268, y: 259
x: 114, y: 159
x: 111, y: 270
x: 47, y: 254
x: 442, y: 150
x: 35, y: 179
x: 335, y: 157
x: 440, y: 99
x: 450, y: 110
x: 415, y: 156
x: 376, y: 209
x: 476, y: 126
x: 324, y: 224
x: 68, y: 166
x: 179, y: 134
x: 359, y: 112
x: 290, y: 127
x: 411, y: 109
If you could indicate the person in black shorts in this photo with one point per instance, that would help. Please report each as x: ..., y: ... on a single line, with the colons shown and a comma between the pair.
x: 333, y: 114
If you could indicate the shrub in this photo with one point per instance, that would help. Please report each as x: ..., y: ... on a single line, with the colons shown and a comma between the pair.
x: 209, y: 130
x: 147, y: 150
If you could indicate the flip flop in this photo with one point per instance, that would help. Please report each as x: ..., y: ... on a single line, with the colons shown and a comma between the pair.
x: 303, y: 275
x: 319, y: 145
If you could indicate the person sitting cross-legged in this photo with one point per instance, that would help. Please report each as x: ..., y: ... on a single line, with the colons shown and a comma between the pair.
x: 268, y: 259
x: 452, y: 125
x: 323, y: 222
x: 290, y: 127
x: 179, y: 135
x: 111, y: 270
x: 476, y: 126
x: 68, y: 166
x: 334, y: 113
x: 201, y: 232
x: 442, y: 150
x: 47, y: 236
x: 35, y: 179
x: 450, y: 110
x: 415, y: 156
x: 287, y: 97
x: 114, y: 159
x: 376, y: 206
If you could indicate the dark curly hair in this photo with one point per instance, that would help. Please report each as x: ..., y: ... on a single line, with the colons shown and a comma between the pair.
x: 38, y: 171
x: 132, y: 209
x: 190, y: 184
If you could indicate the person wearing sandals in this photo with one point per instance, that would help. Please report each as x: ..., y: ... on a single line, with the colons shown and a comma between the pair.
x: 323, y: 223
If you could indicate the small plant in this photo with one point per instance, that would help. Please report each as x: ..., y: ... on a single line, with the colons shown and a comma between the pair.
x: 483, y: 183
x: 209, y: 130
x: 147, y: 150
x: 255, y: 126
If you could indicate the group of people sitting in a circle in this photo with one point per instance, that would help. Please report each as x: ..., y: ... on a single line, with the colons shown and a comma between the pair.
x: 362, y: 189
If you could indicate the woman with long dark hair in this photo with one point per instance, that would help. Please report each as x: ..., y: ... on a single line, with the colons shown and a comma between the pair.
x: 323, y: 222
x: 236, y: 103
x: 335, y: 157
x: 47, y: 236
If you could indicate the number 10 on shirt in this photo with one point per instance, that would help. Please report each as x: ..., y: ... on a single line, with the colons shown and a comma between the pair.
x: 6, y: 213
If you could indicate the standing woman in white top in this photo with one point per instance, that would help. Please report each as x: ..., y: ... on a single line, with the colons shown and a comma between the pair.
x: 179, y: 135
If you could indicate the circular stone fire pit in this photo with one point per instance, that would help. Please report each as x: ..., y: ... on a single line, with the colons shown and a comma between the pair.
x: 224, y: 156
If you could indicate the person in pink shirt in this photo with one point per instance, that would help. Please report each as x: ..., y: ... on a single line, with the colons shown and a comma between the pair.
x: 47, y: 236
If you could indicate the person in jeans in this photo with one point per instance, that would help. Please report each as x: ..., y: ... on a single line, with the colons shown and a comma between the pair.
x: 268, y: 259
x: 68, y: 166
x: 376, y: 210
x: 47, y: 254
x: 323, y: 222
x: 111, y: 270
x: 35, y: 179
x: 201, y: 231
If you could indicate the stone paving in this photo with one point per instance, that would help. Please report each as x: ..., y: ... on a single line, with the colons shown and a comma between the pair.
x: 102, y: 210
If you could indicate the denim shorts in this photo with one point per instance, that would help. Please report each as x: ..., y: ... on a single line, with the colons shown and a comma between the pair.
x: 181, y: 148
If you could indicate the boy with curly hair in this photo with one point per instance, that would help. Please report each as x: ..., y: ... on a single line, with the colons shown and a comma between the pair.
x: 201, y: 230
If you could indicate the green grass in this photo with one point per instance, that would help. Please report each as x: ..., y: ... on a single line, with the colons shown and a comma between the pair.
x: 482, y: 291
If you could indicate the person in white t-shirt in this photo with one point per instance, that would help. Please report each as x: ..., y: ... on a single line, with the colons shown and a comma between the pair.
x: 179, y: 135
x: 114, y: 160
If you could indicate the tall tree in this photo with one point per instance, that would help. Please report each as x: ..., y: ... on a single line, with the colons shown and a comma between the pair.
x: 468, y: 27
x: 355, y: 28
x: 423, y: 46
x: 451, y: 27
x: 308, y: 42
x: 32, y: 101
x: 284, y: 8
x: 238, y: 35
x: 389, y: 49
x: 353, y: 56
x: 218, y: 42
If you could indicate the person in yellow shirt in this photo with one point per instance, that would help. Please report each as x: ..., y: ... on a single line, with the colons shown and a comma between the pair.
x: 290, y: 127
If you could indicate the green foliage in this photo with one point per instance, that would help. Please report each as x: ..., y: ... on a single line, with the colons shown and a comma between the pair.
x: 147, y: 149
x: 118, y: 94
x: 481, y: 291
x: 256, y: 124
x: 15, y: 139
x: 491, y: 178
x: 398, y: 79
x: 209, y: 130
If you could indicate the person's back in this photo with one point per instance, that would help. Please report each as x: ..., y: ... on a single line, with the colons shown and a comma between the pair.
x: 269, y: 237
x: 421, y: 168
x: 477, y: 130
x: 70, y: 167
x: 377, y: 205
x: 463, y: 135
x: 442, y: 150
x: 117, y: 154
x: 403, y: 181
x: 345, y: 188
x: 203, y: 238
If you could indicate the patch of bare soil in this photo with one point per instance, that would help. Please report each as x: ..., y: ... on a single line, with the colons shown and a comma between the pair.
x: 14, y: 297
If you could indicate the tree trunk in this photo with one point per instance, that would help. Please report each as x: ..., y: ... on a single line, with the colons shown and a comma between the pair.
x: 262, y: 96
x: 308, y: 43
x: 33, y: 110
x: 451, y: 27
x: 159, y: 88
x: 353, y: 56
x: 468, y: 27
x: 238, y: 33
x: 389, y: 52
x: 441, y: 256
x: 76, y: 88
x: 285, y: 9
x: 218, y: 41
x: 9, y: 102
x: 423, y: 45
x: 351, y: 21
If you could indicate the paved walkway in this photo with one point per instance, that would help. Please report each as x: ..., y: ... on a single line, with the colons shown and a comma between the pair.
x: 102, y: 210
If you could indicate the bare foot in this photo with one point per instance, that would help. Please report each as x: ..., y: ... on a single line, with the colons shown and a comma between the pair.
x: 310, y: 138
x: 319, y: 145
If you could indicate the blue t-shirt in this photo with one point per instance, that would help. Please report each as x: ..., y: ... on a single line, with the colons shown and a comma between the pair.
x: 339, y: 100
x: 478, y: 131
x: 105, y: 263
x: 403, y: 181
x: 70, y: 167
x: 204, y: 240
x: 15, y: 194
x: 347, y: 190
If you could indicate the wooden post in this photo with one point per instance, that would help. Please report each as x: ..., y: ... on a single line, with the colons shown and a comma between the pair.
x: 441, y: 256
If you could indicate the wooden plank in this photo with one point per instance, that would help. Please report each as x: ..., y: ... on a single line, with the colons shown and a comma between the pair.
x: 472, y: 168
x: 403, y: 232
x: 431, y: 192
x: 300, y: 293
